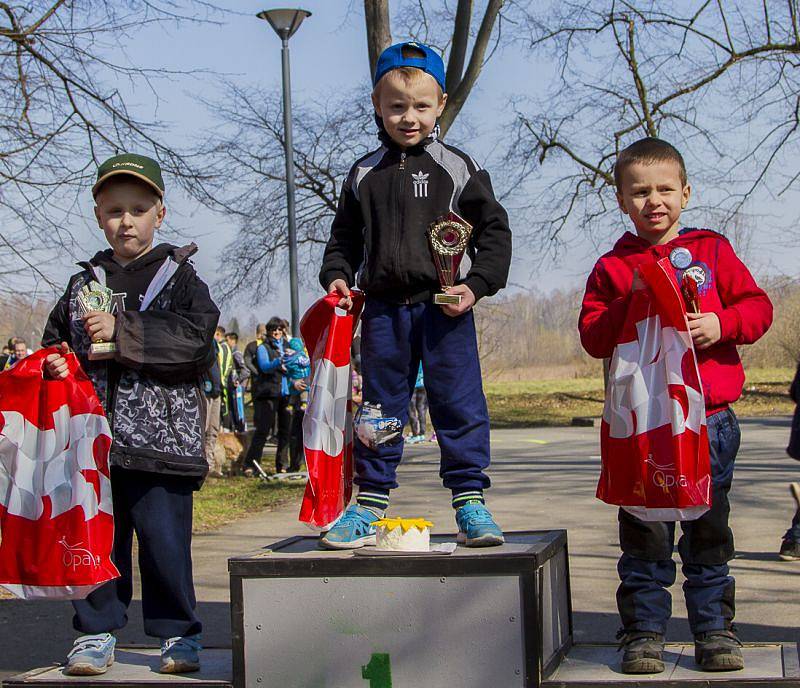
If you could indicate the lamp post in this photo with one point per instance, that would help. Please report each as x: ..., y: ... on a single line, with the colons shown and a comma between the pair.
x: 285, y: 23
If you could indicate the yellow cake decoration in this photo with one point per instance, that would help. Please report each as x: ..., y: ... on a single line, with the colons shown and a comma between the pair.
x: 405, y: 523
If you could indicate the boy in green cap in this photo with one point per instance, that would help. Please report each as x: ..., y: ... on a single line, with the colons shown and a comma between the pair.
x: 158, y: 342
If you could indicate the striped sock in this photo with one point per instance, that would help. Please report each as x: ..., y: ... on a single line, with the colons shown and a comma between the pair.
x: 471, y: 496
x: 373, y: 500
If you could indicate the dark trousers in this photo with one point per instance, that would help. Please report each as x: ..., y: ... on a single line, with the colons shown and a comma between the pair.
x: 646, y: 568
x: 267, y: 413
x: 296, y: 451
x: 159, y: 510
x: 394, y: 338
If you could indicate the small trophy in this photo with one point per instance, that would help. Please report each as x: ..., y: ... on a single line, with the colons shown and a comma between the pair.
x: 448, y: 237
x: 96, y: 297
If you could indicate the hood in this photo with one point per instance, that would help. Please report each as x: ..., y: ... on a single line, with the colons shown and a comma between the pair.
x: 296, y: 344
x: 630, y: 242
x: 157, y: 254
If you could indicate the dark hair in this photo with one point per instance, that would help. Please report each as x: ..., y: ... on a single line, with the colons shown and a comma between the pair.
x: 275, y: 323
x: 232, y: 335
x: 220, y: 329
x: 648, y: 151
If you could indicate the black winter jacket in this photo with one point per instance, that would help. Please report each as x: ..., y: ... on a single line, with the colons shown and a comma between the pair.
x: 391, y: 196
x: 151, y: 390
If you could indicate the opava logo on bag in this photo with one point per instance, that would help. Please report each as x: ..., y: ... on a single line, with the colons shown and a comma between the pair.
x: 75, y: 555
x: 663, y: 475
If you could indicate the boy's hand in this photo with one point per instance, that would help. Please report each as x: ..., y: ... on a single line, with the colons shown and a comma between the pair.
x: 300, y: 385
x: 340, y: 286
x: 99, y: 325
x: 467, y: 300
x: 704, y: 328
x: 55, y: 365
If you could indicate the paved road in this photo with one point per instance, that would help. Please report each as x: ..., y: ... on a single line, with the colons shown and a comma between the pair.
x: 543, y: 478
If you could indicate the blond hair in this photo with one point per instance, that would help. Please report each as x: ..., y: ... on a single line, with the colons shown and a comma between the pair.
x: 407, y: 76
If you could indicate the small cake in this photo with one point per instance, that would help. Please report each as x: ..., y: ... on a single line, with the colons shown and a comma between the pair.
x: 403, y: 534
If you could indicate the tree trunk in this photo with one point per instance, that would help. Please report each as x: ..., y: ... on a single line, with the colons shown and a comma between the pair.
x: 379, y: 30
x: 457, y: 97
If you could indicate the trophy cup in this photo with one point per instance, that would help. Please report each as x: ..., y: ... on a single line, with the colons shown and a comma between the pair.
x: 96, y: 297
x: 448, y: 237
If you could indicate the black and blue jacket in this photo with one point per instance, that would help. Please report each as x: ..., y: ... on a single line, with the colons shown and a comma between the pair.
x: 391, y: 196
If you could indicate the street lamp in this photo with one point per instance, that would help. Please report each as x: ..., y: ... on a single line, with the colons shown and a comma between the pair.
x: 285, y: 23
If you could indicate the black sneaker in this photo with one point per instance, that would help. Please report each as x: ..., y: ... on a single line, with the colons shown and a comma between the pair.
x: 644, y: 652
x: 718, y: 651
x: 790, y: 550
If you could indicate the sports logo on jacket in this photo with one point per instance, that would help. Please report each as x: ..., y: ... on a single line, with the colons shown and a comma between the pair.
x: 420, y: 184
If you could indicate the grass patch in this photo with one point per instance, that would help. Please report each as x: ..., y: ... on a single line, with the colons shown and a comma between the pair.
x: 223, y: 500
x: 549, y: 402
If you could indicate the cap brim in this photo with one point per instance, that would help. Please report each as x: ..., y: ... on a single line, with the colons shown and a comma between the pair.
x: 138, y: 176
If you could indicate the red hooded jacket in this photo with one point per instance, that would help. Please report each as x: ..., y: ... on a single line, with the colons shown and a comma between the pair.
x: 726, y: 288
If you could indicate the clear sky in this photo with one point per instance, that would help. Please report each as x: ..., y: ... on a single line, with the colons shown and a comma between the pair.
x: 329, y: 52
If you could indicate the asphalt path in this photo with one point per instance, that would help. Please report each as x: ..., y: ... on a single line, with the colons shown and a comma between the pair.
x: 543, y: 478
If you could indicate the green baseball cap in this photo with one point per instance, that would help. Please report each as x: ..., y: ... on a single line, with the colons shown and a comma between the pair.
x: 139, y: 166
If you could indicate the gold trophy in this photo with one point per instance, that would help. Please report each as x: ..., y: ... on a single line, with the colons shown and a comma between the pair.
x: 96, y: 297
x: 448, y: 237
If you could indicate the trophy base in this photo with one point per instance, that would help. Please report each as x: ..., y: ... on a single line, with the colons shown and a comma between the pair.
x: 100, y: 351
x: 447, y: 299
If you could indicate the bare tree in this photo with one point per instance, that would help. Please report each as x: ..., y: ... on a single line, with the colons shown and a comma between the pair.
x: 245, y: 175
x: 64, y: 77
x: 718, y: 79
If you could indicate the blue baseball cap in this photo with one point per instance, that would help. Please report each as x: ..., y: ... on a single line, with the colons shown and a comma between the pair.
x: 392, y: 58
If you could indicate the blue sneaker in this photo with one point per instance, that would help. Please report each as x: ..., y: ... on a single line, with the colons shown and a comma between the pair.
x: 90, y: 655
x: 180, y: 655
x: 353, y: 530
x: 476, y: 527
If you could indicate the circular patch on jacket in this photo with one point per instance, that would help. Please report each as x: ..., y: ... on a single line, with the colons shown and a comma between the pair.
x: 680, y: 257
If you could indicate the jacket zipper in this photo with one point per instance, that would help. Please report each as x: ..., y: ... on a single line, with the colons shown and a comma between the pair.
x: 400, y: 207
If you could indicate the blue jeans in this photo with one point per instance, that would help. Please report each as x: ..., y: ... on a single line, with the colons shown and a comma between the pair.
x: 646, y: 568
x: 394, y: 339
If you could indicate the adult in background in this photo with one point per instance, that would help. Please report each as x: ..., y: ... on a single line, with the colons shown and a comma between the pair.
x: 270, y: 392
x: 18, y: 352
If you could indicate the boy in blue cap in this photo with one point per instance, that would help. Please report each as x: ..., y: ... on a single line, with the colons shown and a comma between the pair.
x: 379, y: 242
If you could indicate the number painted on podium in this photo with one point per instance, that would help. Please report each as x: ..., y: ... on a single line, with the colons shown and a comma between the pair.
x: 378, y: 671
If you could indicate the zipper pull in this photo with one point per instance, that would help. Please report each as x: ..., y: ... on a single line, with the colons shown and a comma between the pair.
x: 403, y: 160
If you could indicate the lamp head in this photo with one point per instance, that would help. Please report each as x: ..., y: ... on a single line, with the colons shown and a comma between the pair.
x: 284, y: 22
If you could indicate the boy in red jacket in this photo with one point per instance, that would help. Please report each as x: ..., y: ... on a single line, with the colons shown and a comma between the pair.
x: 652, y: 190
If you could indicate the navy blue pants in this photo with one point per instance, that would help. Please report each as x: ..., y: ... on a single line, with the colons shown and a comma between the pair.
x: 159, y: 510
x: 394, y: 339
x: 646, y: 568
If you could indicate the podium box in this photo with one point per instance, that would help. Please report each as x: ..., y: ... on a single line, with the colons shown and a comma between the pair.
x: 494, y: 616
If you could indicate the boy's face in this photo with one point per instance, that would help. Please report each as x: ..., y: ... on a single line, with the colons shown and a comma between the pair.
x: 20, y: 351
x: 232, y: 342
x: 653, y: 196
x: 128, y: 213
x: 409, y: 111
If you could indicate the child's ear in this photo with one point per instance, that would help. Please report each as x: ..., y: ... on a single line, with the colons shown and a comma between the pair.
x: 621, y: 202
x: 442, y: 103
x: 162, y: 212
x: 376, y: 103
x: 685, y: 194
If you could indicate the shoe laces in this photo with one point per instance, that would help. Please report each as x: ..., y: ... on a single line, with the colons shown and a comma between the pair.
x: 480, y: 516
x: 89, y: 642
x: 180, y: 642
x: 352, y: 517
